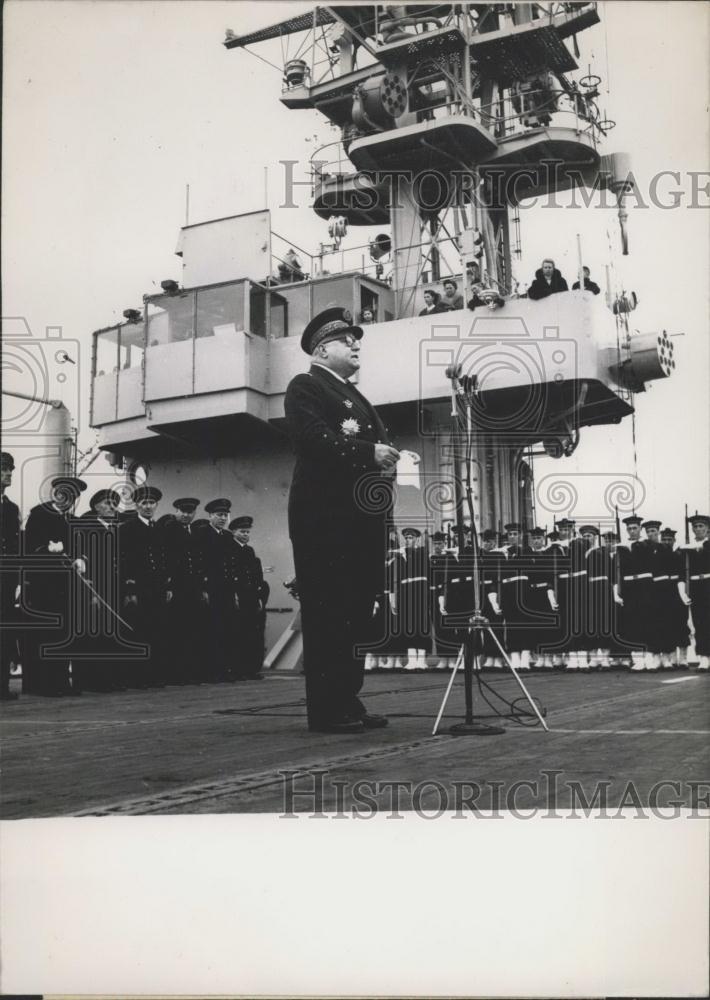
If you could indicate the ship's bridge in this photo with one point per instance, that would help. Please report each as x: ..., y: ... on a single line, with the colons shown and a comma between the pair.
x: 214, y: 361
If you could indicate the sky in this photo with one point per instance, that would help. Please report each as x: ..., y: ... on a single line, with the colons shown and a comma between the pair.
x: 110, y: 109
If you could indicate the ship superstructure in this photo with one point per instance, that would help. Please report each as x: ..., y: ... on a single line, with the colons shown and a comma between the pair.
x: 449, y: 115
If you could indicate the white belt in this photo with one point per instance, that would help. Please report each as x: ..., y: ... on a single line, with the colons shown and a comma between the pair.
x: 700, y: 576
x: 538, y: 586
x: 593, y: 579
x: 657, y: 578
x: 414, y: 579
x: 512, y: 579
x: 674, y: 577
x: 640, y: 576
x: 566, y: 576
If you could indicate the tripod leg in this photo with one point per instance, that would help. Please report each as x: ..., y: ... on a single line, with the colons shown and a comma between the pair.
x: 515, y: 675
x: 456, y: 667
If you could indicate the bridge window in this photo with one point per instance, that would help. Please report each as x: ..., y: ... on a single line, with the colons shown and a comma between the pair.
x: 220, y: 310
x: 131, y: 346
x: 170, y: 319
x: 106, y: 352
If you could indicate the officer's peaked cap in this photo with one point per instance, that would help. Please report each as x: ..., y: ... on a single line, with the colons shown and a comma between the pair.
x: 100, y: 495
x: 219, y: 506
x: 330, y: 324
x: 186, y: 503
x: 147, y: 493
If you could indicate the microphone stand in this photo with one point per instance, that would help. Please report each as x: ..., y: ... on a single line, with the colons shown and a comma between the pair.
x: 464, y: 389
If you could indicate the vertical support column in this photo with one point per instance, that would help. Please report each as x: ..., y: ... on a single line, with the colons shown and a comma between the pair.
x: 406, y: 252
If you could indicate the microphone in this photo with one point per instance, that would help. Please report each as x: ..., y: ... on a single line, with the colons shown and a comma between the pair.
x: 453, y: 372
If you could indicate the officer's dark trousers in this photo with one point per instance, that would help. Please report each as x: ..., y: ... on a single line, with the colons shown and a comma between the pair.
x: 338, y: 578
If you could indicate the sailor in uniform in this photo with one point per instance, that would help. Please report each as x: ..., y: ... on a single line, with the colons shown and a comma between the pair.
x: 661, y: 640
x: 695, y: 588
x: 633, y: 593
x: 188, y: 608
x: 389, y: 645
x: 146, y: 587
x: 413, y: 600
x: 601, y: 609
x: 578, y: 613
x: 514, y: 586
x: 51, y: 591
x: 339, y: 502
x: 10, y: 526
x: 677, y: 612
x: 440, y: 562
x: 253, y: 593
x: 540, y: 599
x: 562, y: 572
x: 220, y: 573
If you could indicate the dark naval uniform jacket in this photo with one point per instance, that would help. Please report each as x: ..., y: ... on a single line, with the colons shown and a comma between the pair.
x: 9, y: 579
x: 334, y: 430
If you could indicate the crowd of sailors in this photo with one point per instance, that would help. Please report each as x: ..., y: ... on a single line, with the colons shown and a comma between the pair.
x: 112, y: 600
x: 574, y: 598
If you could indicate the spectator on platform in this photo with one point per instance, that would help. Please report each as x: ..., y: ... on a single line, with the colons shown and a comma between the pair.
x: 589, y: 285
x: 548, y: 281
x: 452, y: 299
x: 432, y: 302
x: 485, y: 297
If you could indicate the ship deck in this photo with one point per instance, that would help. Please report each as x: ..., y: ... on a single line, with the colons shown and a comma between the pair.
x: 224, y: 748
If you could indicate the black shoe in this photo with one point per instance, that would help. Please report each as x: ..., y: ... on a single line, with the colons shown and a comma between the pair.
x: 9, y: 696
x: 351, y: 726
x: 374, y: 721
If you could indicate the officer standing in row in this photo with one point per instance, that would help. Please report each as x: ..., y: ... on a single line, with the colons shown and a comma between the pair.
x: 146, y: 587
x: 252, y: 593
x: 99, y: 660
x: 9, y: 578
x: 51, y: 590
x: 220, y: 567
x: 188, y: 608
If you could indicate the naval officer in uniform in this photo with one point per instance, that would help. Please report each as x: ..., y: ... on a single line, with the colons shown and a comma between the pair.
x: 253, y: 593
x: 10, y: 527
x: 338, y: 504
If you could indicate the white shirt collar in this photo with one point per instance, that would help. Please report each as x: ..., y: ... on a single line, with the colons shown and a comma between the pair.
x: 331, y: 372
x: 144, y: 520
